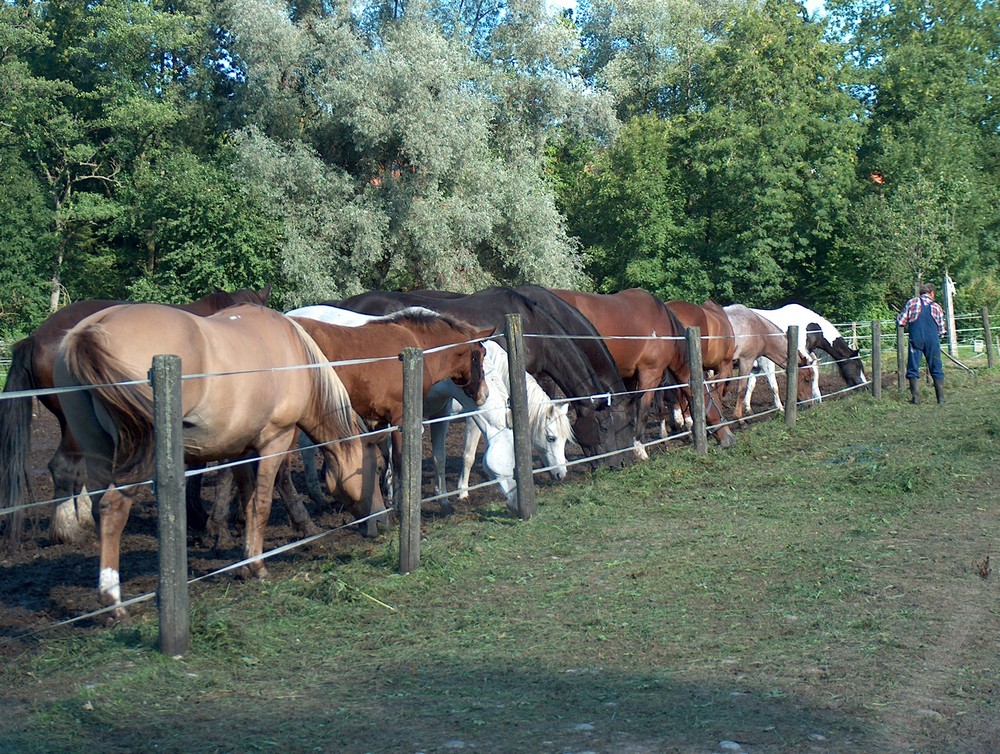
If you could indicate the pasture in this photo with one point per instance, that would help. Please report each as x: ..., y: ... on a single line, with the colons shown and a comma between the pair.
x: 825, y: 588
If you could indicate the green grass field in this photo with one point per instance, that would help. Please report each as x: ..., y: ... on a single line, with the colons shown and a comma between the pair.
x: 822, y: 588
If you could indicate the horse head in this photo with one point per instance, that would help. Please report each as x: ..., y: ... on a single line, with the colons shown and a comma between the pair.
x: 550, y: 431
x: 808, y: 384
x: 849, y: 363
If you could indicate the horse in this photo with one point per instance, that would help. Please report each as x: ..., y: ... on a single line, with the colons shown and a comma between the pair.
x: 252, y: 405
x: 646, y: 340
x: 548, y: 424
x: 832, y: 342
x: 570, y: 353
x: 32, y: 363
x: 758, y: 340
x: 451, y: 352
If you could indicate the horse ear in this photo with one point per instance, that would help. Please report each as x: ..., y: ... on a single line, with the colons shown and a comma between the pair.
x: 563, y: 409
x: 264, y: 293
x: 488, y: 332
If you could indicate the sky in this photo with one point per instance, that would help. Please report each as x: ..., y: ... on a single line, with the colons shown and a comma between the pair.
x: 556, y: 5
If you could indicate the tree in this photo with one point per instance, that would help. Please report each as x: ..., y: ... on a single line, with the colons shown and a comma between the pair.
x: 392, y: 163
x: 627, y: 207
x: 772, y: 156
x: 927, y: 74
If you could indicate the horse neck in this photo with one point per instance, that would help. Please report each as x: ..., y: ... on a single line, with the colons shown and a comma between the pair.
x: 776, y: 347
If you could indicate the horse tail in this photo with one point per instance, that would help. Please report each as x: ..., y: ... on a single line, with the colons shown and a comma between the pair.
x: 15, y: 442
x: 330, y: 397
x: 90, y: 361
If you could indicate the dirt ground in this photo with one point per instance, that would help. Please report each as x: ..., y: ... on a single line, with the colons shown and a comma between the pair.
x: 43, y: 584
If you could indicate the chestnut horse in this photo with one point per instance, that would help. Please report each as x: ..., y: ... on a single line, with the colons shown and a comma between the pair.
x: 451, y: 351
x: 32, y: 362
x: 251, y: 404
x: 646, y: 340
x: 757, y: 337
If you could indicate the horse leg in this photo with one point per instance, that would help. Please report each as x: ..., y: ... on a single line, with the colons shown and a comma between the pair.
x: 258, y: 505
x: 439, y: 454
x: 741, y: 386
x: 767, y: 366
x: 472, y: 435
x: 197, y: 515
x: 115, y: 506
x: 72, y: 520
x: 308, y: 451
x: 297, y: 512
x: 218, y: 520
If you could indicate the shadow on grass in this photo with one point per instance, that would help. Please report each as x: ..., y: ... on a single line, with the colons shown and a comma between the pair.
x: 438, y: 708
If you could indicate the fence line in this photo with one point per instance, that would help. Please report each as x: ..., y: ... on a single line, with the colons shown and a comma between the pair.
x: 301, y: 542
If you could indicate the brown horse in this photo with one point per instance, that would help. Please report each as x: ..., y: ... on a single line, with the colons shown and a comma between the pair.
x: 717, y: 341
x: 32, y: 363
x: 757, y: 337
x: 252, y: 404
x: 376, y: 389
x: 646, y: 341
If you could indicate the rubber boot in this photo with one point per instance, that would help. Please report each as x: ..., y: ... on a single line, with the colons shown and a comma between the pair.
x: 914, y: 390
x: 939, y: 390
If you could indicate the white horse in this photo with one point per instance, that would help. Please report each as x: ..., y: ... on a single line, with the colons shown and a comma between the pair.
x: 821, y: 336
x: 548, y: 421
x: 550, y: 425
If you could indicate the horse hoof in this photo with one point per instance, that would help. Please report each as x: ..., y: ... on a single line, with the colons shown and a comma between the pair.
x: 249, y: 572
x: 307, y: 529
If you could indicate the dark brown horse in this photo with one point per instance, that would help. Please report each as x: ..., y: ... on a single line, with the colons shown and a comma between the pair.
x: 32, y: 363
x: 646, y: 340
x: 250, y: 404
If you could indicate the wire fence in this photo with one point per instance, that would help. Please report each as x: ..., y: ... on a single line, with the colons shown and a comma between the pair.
x: 974, y: 330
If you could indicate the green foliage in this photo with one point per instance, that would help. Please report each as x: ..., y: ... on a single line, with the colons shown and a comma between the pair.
x: 627, y: 207
x: 157, y: 149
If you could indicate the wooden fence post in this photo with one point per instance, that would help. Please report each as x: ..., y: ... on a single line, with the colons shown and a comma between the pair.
x: 412, y: 459
x: 900, y: 358
x: 523, y: 477
x: 792, y: 377
x: 168, y: 486
x: 698, y: 431
x: 876, y: 359
x: 990, y: 353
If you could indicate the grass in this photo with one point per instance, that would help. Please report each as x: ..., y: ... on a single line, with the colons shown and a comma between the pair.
x: 813, y: 588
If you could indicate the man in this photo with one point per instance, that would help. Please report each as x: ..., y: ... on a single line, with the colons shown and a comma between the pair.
x: 925, y: 318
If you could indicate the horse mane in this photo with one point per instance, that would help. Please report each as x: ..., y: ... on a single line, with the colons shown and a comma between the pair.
x: 219, y: 300
x: 538, y: 413
x: 89, y: 360
x: 427, y: 320
x: 328, y: 391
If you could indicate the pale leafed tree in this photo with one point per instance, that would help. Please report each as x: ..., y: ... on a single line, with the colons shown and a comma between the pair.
x: 385, y: 161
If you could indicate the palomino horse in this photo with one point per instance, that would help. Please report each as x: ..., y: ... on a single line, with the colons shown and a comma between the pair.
x: 646, y: 340
x: 757, y: 337
x: 847, y: 359
x: 33, y: 359
x: 548, y: 422
x: 569, y: 352
x: 376, y: 389
x: 255, y: 408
